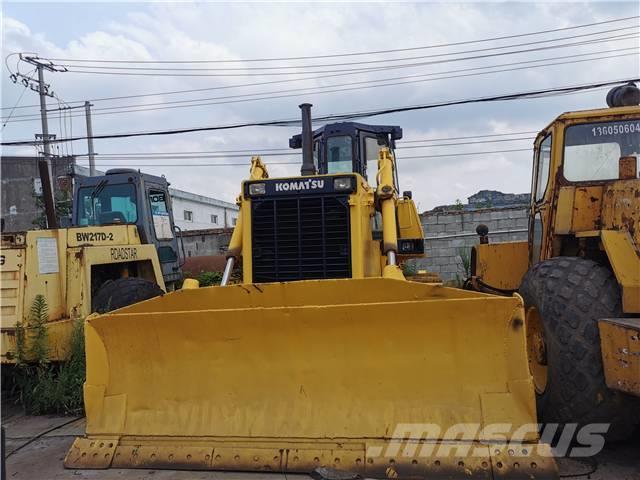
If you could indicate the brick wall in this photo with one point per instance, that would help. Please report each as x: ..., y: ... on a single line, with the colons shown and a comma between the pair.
x: 450, y: 234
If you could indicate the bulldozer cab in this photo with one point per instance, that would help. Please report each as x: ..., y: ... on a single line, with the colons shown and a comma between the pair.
x: 129, y: 197
x: 348, y: 146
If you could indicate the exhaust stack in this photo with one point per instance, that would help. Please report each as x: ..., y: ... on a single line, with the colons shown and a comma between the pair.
x: 308, y: 167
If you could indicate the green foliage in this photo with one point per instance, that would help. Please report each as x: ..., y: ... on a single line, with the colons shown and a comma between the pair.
x: 458, y: 205
x: 465, y: 259
x: 38, y: 317
x: 43, y: 387
x: 63, y: 203
x: 208, y: 279
x: 409, y: 269
x: 455, y: 283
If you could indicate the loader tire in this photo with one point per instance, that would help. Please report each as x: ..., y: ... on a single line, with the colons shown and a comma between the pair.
x: 114, y: 294
x: 570, y: 295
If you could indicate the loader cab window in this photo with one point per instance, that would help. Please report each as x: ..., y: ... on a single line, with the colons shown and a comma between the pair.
x: 316, y: 154
x: 371, y: 151
x: 592, y: 151
x: 542, y: 163
x: 160, y: 214
x: 339, y: 154
x: 107, y: 204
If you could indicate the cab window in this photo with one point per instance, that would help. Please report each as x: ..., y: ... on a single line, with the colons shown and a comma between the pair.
x: 107, y: 204
x: 543, y: 163
x: 160, y: 214
x: 371, y: 149
x: 592, y: 151
x: 339, y: 154
x: 316, y: 154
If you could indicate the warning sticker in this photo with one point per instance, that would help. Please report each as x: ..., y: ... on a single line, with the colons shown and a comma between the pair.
x: 47, y: 255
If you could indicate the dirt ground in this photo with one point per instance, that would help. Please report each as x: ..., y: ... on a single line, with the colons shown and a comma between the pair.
x: 41, y: 459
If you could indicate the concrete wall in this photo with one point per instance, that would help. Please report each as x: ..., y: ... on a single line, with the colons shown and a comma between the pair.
x: 19, y: 177
x: 198, y: 243
x: 448, y: 234
x: 202, y: 211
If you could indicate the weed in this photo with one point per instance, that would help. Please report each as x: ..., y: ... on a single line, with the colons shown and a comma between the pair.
x: 43, y: 387
x: 208, y: 279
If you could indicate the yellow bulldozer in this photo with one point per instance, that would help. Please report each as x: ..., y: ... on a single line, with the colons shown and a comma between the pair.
x: 324, y: 356
x: 121, y: 248
x: 579, y: 271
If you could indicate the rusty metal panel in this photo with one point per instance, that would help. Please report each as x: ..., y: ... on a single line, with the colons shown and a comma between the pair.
x: 564, y: 210
x: 625, y: 260
x: 628, y: 167
x: 586, y: 208
x: 621, y: 208
x: 620, y: 345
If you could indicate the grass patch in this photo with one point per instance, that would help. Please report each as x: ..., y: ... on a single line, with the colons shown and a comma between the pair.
x: 43, y: 387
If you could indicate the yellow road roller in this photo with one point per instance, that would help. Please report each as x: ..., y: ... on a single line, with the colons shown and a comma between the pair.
x: 579, y: 270
x: 325, y: 357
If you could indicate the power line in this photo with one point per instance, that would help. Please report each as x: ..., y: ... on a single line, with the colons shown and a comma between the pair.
x: 323, y: 89
x: 363, y: 62
x: 265, y: 152
x: 223, y: 87
x: 353, y: 115
x: 355, y: 71
x: 245, y: 164
x: 384, y: 80
x: 374, y: 52
x: 26, y: 87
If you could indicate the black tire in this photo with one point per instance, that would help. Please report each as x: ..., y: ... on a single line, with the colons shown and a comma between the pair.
x: 114, y: 294
x: 571, y: 295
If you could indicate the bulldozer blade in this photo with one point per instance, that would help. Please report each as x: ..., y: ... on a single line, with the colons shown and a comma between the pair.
x: 382, y: 377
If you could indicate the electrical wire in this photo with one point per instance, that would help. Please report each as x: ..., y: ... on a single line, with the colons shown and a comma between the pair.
x: 13, y: 109
x: 264, y: 152
x: 366, y: 62
x: 313, y: 91
x: 355, y: 71
x: 223, y: 87
x: 374, y: 52
x: 41, y: 434
x: 352, y: 115
x: 444, y: 155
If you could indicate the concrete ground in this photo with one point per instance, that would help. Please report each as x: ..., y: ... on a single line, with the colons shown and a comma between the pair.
x: 42, y: 458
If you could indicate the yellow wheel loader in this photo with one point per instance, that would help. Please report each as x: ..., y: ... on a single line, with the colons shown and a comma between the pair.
x: 120, y: 249
x: 324, y: 357
x: 579, y: 271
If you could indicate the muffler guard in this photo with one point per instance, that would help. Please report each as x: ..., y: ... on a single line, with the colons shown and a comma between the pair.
x: 383, y: 377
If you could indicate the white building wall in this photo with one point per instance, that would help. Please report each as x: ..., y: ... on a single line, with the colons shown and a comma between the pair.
x: 202, y: 210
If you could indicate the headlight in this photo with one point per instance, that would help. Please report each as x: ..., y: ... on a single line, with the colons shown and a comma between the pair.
x: 342, y: 183
x: 257, y: 189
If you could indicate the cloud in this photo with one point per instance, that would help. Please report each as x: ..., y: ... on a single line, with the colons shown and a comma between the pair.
x: 217, y: 31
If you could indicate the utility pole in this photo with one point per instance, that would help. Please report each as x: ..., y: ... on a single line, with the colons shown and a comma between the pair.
x: 92, y: 155
x: 44, y: 164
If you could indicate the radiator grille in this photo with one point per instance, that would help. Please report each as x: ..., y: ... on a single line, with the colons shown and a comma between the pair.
x: 300, y: 238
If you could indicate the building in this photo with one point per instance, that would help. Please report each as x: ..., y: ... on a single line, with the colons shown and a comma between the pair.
x: 197, y: 212
x: 21, y: 206
x: 495, y: 199
x: 21, y: 202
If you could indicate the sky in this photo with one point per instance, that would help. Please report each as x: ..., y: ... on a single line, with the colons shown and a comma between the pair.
x: 438, y: 171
